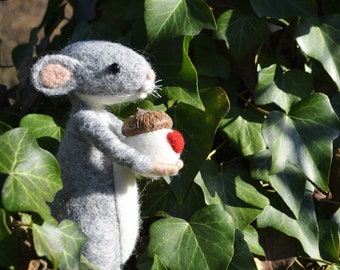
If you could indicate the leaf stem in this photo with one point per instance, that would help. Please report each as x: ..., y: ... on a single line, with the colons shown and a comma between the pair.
x: 213, y: 152
x: 253, y: 105
x: 232, y: 160
x: 300, y: 264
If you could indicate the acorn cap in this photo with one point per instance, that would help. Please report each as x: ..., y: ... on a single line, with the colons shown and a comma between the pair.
x: 144, y: 121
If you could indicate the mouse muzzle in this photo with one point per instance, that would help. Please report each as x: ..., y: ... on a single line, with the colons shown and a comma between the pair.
x: 149, y: 84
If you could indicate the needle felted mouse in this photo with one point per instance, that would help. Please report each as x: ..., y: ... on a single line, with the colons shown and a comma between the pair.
x: 97, y: 167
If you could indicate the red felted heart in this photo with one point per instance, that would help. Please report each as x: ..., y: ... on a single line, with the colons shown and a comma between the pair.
x: 176, y: 141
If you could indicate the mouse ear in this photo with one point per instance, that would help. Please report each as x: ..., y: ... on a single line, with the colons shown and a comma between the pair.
x: 54, y: 75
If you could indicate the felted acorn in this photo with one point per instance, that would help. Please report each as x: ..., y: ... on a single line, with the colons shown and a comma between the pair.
x: 151, y: 133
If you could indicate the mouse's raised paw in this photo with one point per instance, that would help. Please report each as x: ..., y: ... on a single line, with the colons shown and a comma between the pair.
x: 164, y: 169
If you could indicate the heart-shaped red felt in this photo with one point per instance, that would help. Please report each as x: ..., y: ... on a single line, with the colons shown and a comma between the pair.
x: 176, y: 141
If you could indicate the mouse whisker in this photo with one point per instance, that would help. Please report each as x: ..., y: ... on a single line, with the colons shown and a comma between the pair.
x: 156, y: 82
x: 155, y: 94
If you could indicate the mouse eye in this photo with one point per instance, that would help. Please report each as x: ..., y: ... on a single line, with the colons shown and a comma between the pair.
x: 114, y: 68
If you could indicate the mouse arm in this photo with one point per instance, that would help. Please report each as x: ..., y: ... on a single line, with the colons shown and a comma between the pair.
x: 91, y: 126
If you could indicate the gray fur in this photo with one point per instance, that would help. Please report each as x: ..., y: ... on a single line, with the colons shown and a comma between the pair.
x: 92, y: 141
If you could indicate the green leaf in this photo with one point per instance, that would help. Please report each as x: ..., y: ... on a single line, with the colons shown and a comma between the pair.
x: 33, y: 174
x: 282, y: 88
x: 289, y: 183
x: 285, y: 9
x: 199, y: 134
x: 48, y: 241
x: 243, y: 128
x: 305, y: 228
x: 232, y: 187
x: 329, y: 240
x: 178, y: 74
x: 4, y: 127
x: 212, y: 64
x: 8, y: 248
x: 159, y: 199
x: 173, y: 18
x: 233, y: 190
x: 60, y: 244
x: 304, y: 138
x: 42, y: 126
x: 86, y: 265
x: 242, y: 259
x: 241, y: 33
x: 321, y: 41
x: 73, y: 240
x: 252, y: 238
x: 202, y: 243
x: 157, y: 264
x: 336, y: 104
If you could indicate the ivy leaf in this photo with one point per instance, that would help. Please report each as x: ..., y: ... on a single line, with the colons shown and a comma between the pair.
x: 329, y: 240
x: 232, y: 187
x: 242, y: 259
x: 86, y: 265
x: 204, y: 242
x: 241, y: 33
x: 178, y: 74
x: 212, y: 64
x: 73, y: 241
x: 60, y: 244
x: 278, y: 9
x: 289, y: 183
x: 8, y: 248
x: 243, y: 128
x: 336, y: 104
x: 304, y: 138
x: 4, y: 127
x: 321, y: 41
x: 33, y: 174
x: 169, y: 19
x: 282, y: 88
x: 199, y: 137
x: 159, y: 199
x: 48, y: 241
x: 42, y: 125
x: 157, y: 264
x: 252, y: 238
x: 305, y: 228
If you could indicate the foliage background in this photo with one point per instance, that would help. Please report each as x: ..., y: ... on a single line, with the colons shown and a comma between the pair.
x: 252, y: 85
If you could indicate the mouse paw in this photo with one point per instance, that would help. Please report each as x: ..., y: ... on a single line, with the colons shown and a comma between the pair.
x: 164, y: 169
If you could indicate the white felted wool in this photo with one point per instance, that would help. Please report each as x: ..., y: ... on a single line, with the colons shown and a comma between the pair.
x: 154, y: 144
x: 127, y: 202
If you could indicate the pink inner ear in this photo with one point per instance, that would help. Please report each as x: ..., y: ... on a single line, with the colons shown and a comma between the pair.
x: 54, y: 75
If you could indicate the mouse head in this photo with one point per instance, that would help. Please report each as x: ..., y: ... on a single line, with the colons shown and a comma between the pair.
x: 97, y: 72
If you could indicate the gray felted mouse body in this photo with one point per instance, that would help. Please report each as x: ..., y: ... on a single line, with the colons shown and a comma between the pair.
x: 100, y: 191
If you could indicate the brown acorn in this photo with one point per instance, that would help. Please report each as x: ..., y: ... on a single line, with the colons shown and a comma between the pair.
x: 144, y: 121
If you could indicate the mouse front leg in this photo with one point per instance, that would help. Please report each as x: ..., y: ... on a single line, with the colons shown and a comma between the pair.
x: 164, y: 169
x: 100, y: 134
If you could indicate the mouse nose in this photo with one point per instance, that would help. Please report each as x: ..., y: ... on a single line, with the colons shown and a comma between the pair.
x: 151, y: 75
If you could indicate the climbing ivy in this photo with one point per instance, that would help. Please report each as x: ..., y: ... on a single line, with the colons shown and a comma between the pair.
x: 252, y: 85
